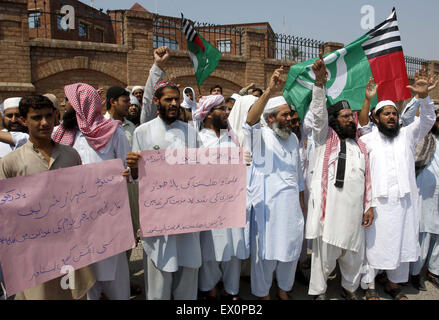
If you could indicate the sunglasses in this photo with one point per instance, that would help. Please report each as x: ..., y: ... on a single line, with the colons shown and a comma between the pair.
x: 294, y: 121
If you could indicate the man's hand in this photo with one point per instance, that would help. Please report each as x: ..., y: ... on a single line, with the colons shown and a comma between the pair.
x: 161, y: 56
x: 423, y: 84
x: 132, y: 162
x: 276, y: 82
x: 371, y: 90
x: 368, y: 218
x: 319, y: 68
x: 247, y: 158
x: 432, y: 82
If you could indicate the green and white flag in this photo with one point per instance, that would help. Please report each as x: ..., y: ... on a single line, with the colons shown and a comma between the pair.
x: 377, y: 54
x: 204, y: 56
x: 348, y: 73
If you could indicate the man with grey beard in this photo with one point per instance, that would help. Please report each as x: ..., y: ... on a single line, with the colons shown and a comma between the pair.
x: 275, y: 202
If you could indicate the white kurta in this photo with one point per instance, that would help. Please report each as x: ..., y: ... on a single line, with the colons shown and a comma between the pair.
x: 117, y: 147
x: 169, y: 252
x: 273, y: 191
x: 149, y: 109
x: 222, y: 244
x: 342, y: 226
x: 393, y: 237
x: 19, y: 139
x: 428, y: 185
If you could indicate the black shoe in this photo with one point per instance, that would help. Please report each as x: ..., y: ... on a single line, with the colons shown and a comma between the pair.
x: 349, y: 295
x: 321, y: 297
x: 333, y: 275
x: 434, y: 279
x: 418, y: 283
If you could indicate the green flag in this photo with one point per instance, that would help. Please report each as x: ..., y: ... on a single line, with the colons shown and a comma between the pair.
x: 377, y: 54
x: 348, y: 73
x: 204, y: 56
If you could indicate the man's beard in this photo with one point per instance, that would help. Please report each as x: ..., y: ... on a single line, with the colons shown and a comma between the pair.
x: 69, y: 119
x: 18, y: 128
x: 344, y: 132
x: 435, y: 130
x: 296, y: 131
x: 164, y: 116
x: 348, y: 131
x: 281, y: 131
x: 134, y: 118
x: 218, y: 123
x: 388, y: 132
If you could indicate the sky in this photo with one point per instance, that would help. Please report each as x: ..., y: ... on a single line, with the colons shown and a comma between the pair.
x: 336, y: 20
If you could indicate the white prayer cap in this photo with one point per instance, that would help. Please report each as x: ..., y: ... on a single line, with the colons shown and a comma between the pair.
x: 235, y: 96
x: 134, y: 100
x: 436, y: 107
x: 11, y: 103
x: 275, y: 102
x: 136, y: 88
x: 53, y: 99
x: 385, y: 103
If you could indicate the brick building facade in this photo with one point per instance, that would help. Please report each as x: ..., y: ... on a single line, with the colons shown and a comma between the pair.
x: 44, y: 59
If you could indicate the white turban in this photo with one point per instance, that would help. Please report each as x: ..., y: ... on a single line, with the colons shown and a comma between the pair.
x: 275, y: 102
x: 136, y: 88
x: 272, y: 104
x: 134, y: 100
x: 53, y: 99
x: 187, y: 102
x: 385, y: 103
x: 204, y: 106
x: 11, y: 103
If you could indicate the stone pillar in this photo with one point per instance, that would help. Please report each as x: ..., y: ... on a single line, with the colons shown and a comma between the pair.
x: 15, y: 71
x: 139, y: 40
x: 332, y: 46
x: 254, y: 54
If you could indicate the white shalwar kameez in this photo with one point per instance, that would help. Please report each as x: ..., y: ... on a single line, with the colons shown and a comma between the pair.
x: 392, y: 241
x: 340, y: 235
x: 428, y: 186
x: 222, y: 249
x: 112, y: 274
x: 276, y: 227
x: 172, y: 261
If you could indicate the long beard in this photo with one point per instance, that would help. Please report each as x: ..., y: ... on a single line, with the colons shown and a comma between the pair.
x: 297, y: 132
x: 388, y: 132
x: 435, y: 130
x: 69, y: 119
x: 282, y: 132
x: 344, y: 132
x: 164, y: 116
x: 218, y: 123
x: 134, y: 118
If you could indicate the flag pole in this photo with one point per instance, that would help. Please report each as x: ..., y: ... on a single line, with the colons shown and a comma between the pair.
x: 199, y: 90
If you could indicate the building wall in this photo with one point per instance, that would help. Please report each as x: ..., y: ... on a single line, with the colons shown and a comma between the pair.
x: 47, y: 64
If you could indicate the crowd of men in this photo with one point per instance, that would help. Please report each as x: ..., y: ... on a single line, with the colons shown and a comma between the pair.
x: 360, y: 189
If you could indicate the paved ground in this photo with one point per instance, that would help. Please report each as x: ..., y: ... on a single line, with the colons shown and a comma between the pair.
x: 299, y: 291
